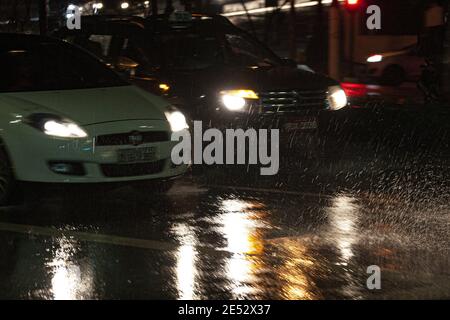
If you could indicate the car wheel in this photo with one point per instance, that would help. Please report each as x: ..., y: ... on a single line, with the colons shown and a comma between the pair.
x: 393, y: 76
x: 7, y: 182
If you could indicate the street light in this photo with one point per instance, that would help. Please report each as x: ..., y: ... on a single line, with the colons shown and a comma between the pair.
x: 97, y: 6
x: 124, y: 5
x: 352, y: 4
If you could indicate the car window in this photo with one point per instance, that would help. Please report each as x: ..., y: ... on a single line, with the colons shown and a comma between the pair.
x: 99, y: 45
x: 130, y: 47
x: 52, y: 66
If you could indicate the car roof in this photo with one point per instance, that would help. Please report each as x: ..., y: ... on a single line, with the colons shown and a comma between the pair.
x: 133, y: 20
x: 141, y: 20
x: 163, y: 22
x: 154, y: 23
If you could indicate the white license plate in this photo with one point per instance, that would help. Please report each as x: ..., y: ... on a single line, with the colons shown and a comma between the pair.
x: 136, y: 155
x: 307, y: 123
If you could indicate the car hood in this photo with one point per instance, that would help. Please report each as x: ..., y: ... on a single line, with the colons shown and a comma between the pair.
x: 257, y: 79
x: 89, y: 106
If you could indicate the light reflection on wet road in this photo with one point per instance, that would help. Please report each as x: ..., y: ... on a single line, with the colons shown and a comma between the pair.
x: 206, y: 243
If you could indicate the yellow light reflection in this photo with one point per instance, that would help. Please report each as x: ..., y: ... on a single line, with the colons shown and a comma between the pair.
x: 296, y: 271
x: 242, y: 224
x: 68, y: 280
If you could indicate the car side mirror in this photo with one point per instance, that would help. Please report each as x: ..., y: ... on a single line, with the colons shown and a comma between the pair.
x: 126, y: 65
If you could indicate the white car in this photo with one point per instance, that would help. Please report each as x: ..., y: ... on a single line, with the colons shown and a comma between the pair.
x: 395, y: 67
x: 67, y: 118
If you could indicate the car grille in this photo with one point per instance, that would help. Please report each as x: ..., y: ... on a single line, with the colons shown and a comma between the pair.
x: 132, y: 169
x: 293, y: 101
x: 124, y: 138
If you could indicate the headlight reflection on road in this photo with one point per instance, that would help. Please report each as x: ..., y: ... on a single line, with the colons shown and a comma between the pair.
x: 240, y: 227
x: 343, y: 231
x: 69, y: 280
x: 343, y: 216
x: 186, y: 257
x: 242, y: 222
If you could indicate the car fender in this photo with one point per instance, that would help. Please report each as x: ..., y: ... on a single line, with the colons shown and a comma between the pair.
x: 13, y: 130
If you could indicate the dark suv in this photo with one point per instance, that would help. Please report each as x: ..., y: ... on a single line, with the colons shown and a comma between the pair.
x: 211, y: 69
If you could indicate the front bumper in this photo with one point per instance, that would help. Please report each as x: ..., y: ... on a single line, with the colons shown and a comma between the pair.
x: 31, y: 155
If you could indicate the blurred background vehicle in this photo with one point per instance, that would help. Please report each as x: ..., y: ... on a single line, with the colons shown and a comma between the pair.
x: 330, y: 36
x: 392, y: 68
x: 211, y: 69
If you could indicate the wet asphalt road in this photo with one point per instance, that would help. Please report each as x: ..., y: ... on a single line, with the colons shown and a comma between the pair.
x: 224, y: 243
x: 311, y: 232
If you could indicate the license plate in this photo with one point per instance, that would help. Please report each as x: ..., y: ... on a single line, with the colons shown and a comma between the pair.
x: 307, y: 123
x: 136, y: 155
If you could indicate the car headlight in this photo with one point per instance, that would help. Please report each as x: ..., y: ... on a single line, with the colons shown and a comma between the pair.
x: 176, y: 119
x: 56, y: 126
x: 375, y: 58
x: 235, y: 100
x: 336, y: 98
x: 164, y: 87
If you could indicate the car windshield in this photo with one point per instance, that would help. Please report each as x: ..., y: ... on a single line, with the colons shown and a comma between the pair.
x: 187, y: 50
x: 245, y: 51
x: 193, y: 49
x: 52, y: 66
